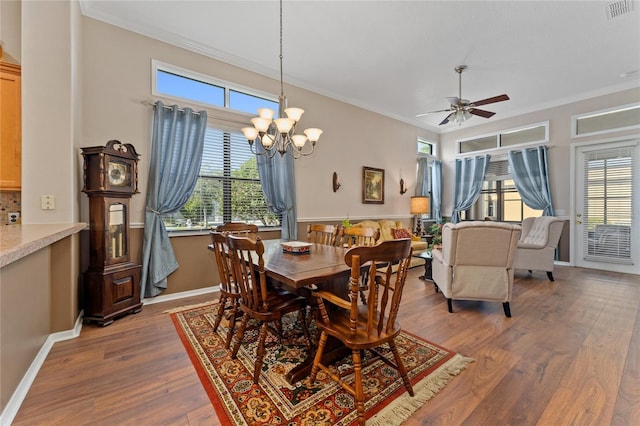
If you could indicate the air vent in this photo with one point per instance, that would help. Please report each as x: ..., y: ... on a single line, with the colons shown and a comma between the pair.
x: 618, y: 8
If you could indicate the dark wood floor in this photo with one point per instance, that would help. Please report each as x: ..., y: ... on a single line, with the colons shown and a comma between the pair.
x: 570, y: 355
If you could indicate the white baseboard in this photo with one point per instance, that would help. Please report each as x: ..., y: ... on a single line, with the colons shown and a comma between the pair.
x: 181, y: 295
x: 13, y: 405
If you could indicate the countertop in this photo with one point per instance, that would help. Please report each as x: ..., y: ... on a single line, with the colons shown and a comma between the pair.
x: 18, y: 241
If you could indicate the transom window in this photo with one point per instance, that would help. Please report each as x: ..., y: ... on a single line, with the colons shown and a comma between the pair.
x: 175, y: 82
x: 535, y: 133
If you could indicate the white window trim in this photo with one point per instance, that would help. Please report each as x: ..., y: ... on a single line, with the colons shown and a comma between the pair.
x: 226, y: 85
x: 576, y: 117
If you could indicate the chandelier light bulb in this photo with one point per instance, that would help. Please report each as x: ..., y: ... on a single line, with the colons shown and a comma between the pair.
x: 313, y: 134
x: 266, y: 113
x: 267, y: 140
x: 299, y: 141
x: 250, y: 133
x: 261, y: 124
x: 284, y: 124
x: 294, y: 113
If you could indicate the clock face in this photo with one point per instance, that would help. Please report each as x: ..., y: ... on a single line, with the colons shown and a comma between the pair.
x: 118, y: 174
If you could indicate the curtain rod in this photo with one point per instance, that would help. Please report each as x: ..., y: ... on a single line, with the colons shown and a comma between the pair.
x: 152, y: 104
x: 155, y: 104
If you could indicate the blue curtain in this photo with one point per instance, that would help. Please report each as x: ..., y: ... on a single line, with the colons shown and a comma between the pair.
x: 174, y: 165
x: 422, y: 178
x: 278, y: 182
x: 469, y: 177
x: 530, y: 171
x: 436, y: 190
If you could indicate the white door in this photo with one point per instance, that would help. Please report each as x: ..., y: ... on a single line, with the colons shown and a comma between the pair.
x: 606, y: 206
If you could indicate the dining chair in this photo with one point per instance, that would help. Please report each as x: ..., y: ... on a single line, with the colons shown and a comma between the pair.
x: 352, y: 236
x: 359, y: 327
x: 239, y: 228
x: 322, y: 234
x: 257, y: 301
x: 358, y: 236
x: 229, y: 294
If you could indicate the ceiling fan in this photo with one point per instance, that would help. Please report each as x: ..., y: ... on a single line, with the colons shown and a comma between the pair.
x: 461, y: 109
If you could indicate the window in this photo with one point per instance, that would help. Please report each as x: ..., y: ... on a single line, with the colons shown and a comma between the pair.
x: 499, y: 199
x: 425, y: 147
x: 604, y: 121
x: 228, y: 187
x: 175, y: 82
x: 608, y: 204
x: 536, y: 133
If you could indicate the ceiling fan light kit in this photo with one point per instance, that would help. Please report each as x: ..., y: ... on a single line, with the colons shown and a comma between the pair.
x: 461, y: 109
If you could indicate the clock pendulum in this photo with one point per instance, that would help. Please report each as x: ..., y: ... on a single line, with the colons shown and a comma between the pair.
x: 112, y: 281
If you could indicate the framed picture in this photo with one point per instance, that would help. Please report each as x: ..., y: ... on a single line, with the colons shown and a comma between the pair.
x: 372, y: 185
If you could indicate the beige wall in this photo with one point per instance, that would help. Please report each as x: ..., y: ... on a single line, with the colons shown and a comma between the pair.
x: 117, y: 76
x: 559, y: 142
x: 10, y: 30
x: 50, y: 121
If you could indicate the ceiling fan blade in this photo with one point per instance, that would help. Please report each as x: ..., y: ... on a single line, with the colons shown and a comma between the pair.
x: 495, y: 99
x: 481, y: 112
x: 433, y: 112
x: 446, y: 120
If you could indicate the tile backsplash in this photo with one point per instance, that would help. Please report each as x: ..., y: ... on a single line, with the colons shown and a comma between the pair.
x: 10, y: 202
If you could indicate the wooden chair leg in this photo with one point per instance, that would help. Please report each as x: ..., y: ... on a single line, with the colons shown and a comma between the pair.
x: 550, y: 275
x: 316, y: 361
x: 357, y: 372
x: 401, y: 369
x: 260, y: 353
x: 303, y: 321
x: 239, y: 336
x: 223, y: 302
x: 507, y: 309
x: 232, y: 324
x: 449, y: 306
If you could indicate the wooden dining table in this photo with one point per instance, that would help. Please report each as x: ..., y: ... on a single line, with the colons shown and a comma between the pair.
x: 324, y: 267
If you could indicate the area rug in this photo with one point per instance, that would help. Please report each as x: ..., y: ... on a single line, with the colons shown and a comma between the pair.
x: 237, y: 400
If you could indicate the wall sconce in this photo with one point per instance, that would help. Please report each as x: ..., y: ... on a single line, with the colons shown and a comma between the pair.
x: 403, y: 187
x: 336, y: 182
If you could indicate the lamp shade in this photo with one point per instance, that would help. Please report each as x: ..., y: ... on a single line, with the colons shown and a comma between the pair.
x: 420, y: 205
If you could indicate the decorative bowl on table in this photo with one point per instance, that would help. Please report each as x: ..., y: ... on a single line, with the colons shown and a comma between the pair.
x: 296, y: 247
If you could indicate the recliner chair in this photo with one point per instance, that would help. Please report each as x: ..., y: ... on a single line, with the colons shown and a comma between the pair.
x: 476, y: 262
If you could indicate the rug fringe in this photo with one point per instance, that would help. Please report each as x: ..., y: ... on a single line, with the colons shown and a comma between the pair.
x: 187, y: 307
x: 404, y: 406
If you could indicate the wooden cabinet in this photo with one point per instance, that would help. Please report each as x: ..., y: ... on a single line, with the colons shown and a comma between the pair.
x: 10, y: 127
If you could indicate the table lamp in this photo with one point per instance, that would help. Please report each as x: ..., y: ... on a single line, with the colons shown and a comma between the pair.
x: 419, y: 205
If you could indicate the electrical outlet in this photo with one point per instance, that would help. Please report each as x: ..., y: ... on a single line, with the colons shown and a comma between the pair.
x: 48, y: 202
x: 13, y: 217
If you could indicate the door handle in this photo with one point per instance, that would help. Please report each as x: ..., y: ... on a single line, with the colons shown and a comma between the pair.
x: 579, y: 222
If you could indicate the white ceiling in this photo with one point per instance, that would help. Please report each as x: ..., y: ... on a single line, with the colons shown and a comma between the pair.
x: 398, y: 57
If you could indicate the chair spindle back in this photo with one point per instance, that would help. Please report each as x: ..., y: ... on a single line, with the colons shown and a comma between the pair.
x: 322, y: 234
x: 385, y: 288
x: 252, y: 286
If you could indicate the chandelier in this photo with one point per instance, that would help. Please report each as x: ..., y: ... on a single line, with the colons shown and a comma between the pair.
x: 278, y: 135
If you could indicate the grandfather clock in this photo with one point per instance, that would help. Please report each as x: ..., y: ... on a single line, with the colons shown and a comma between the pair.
x: 112, y: 282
